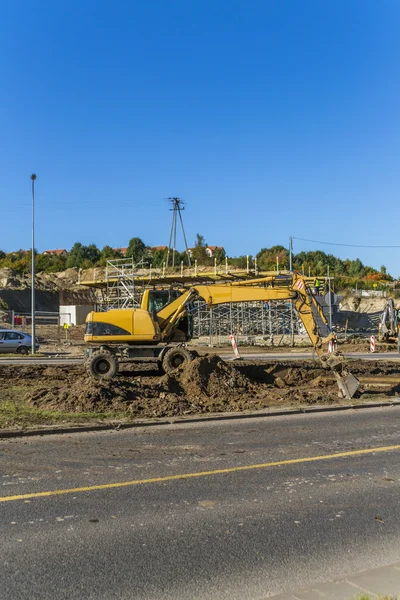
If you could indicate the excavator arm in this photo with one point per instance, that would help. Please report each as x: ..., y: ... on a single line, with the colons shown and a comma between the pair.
x: 261, y: 289
x: 303, y: 301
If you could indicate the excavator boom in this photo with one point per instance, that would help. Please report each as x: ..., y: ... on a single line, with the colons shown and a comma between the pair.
x: 304, y: 302
x: 154, y: 323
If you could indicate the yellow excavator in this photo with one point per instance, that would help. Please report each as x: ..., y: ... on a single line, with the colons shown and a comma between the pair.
x: 158, y: 330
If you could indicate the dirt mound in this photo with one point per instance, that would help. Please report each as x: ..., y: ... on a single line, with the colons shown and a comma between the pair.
x: 212, y: 377
x: 206, y: 385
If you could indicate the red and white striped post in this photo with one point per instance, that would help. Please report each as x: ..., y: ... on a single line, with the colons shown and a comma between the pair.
x: 330, y: 347
x: 372, y: 340
x: 234, y: 346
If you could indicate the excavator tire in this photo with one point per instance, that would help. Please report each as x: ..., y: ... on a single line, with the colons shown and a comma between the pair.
x: 101, y: 365
x: 175, y: 357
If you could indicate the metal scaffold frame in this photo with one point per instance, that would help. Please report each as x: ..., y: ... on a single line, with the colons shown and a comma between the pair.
x: 245, y: 320
x: 120, y: 284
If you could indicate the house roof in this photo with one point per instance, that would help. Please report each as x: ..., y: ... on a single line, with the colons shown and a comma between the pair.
x: 159, y: 248
x: 122, y: 250
x: 58, y: 252
x: 215, y: 248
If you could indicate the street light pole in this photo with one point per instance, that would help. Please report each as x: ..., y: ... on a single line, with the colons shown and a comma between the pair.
x: 33, y: 177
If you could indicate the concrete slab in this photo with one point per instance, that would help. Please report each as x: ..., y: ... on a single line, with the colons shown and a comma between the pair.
x: 385, y: 580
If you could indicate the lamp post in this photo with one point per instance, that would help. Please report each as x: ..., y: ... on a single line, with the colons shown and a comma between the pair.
x: 33, y: 177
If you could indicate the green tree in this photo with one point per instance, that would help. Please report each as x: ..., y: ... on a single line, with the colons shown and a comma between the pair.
x: 199, y: 251
x: 159, y: 257
x: 108, y: 253
x: 83, y: 256
x: 356, y: 268
x: 136, y: 249
x: 50, y: 263
x: 267, y: 258
x: 219, y: 255
x: 240, y: 261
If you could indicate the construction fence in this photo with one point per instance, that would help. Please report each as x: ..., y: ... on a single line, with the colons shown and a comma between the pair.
x: 20, y: 319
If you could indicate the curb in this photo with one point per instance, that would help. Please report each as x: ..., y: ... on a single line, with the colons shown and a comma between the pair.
x: 9, y: 433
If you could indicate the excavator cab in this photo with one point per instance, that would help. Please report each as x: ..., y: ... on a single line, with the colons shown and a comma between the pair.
x: 156, y: 299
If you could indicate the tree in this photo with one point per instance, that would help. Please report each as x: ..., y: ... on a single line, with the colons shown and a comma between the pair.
x: 83, y: 256
x: 267, y: 258
x: 92, y: 254
x: 159, y: 257
x: 108, y: 253
x: 219, y: 255
x: 383, y: 270
x: 76, y: 256
x: 240, y: 261
x: 136, y: 249
x: 356, y: 268
x: 199, y: 251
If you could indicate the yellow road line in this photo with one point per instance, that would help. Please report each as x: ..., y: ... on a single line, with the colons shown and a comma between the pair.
x: 120, y: 484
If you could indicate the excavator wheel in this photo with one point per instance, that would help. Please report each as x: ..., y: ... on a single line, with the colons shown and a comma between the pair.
x: 175, y: 357
x: 101, y: 365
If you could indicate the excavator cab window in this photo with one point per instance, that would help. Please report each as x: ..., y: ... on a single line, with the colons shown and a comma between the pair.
x: 160, y: 298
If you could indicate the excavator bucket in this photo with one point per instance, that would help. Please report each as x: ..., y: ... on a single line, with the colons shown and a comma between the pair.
x: 347, y: 383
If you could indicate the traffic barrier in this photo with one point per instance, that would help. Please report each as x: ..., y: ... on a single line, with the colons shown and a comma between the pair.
x: 234, y: 346
x: 372, y: 340
x: 330, y: 347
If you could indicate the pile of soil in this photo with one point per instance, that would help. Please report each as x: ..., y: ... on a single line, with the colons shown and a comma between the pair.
x: 207, y: 384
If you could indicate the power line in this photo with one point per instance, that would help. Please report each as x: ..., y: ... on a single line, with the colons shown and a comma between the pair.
x: 94, y: 204
x: 337, y: 244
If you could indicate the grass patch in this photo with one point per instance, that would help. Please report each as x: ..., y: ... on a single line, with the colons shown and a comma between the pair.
x: 368, y: 597
x: 18, y: 414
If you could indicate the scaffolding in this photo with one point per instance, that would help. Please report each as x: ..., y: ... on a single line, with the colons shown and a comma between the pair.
x: 245, y: 320
x: 120, y: 289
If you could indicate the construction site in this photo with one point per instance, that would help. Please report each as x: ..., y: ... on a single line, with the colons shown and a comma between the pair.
x: 129, y: 340
x: 228, y: 311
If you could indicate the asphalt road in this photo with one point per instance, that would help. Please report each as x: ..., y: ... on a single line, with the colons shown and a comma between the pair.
x: 223, y: 510
x: 224, y: 355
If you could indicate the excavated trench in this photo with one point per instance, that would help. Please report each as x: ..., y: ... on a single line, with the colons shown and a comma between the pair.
x: 207, y: 384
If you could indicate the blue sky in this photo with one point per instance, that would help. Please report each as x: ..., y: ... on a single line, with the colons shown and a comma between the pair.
x: 269, y: 118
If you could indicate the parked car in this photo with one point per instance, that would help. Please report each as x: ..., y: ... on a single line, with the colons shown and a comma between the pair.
x: 12, y: 340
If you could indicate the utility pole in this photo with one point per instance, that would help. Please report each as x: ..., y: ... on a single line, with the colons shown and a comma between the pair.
x: 33, y: 303
x: 291, y: 302
x: 330, y: 301
x: 177, y: 208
